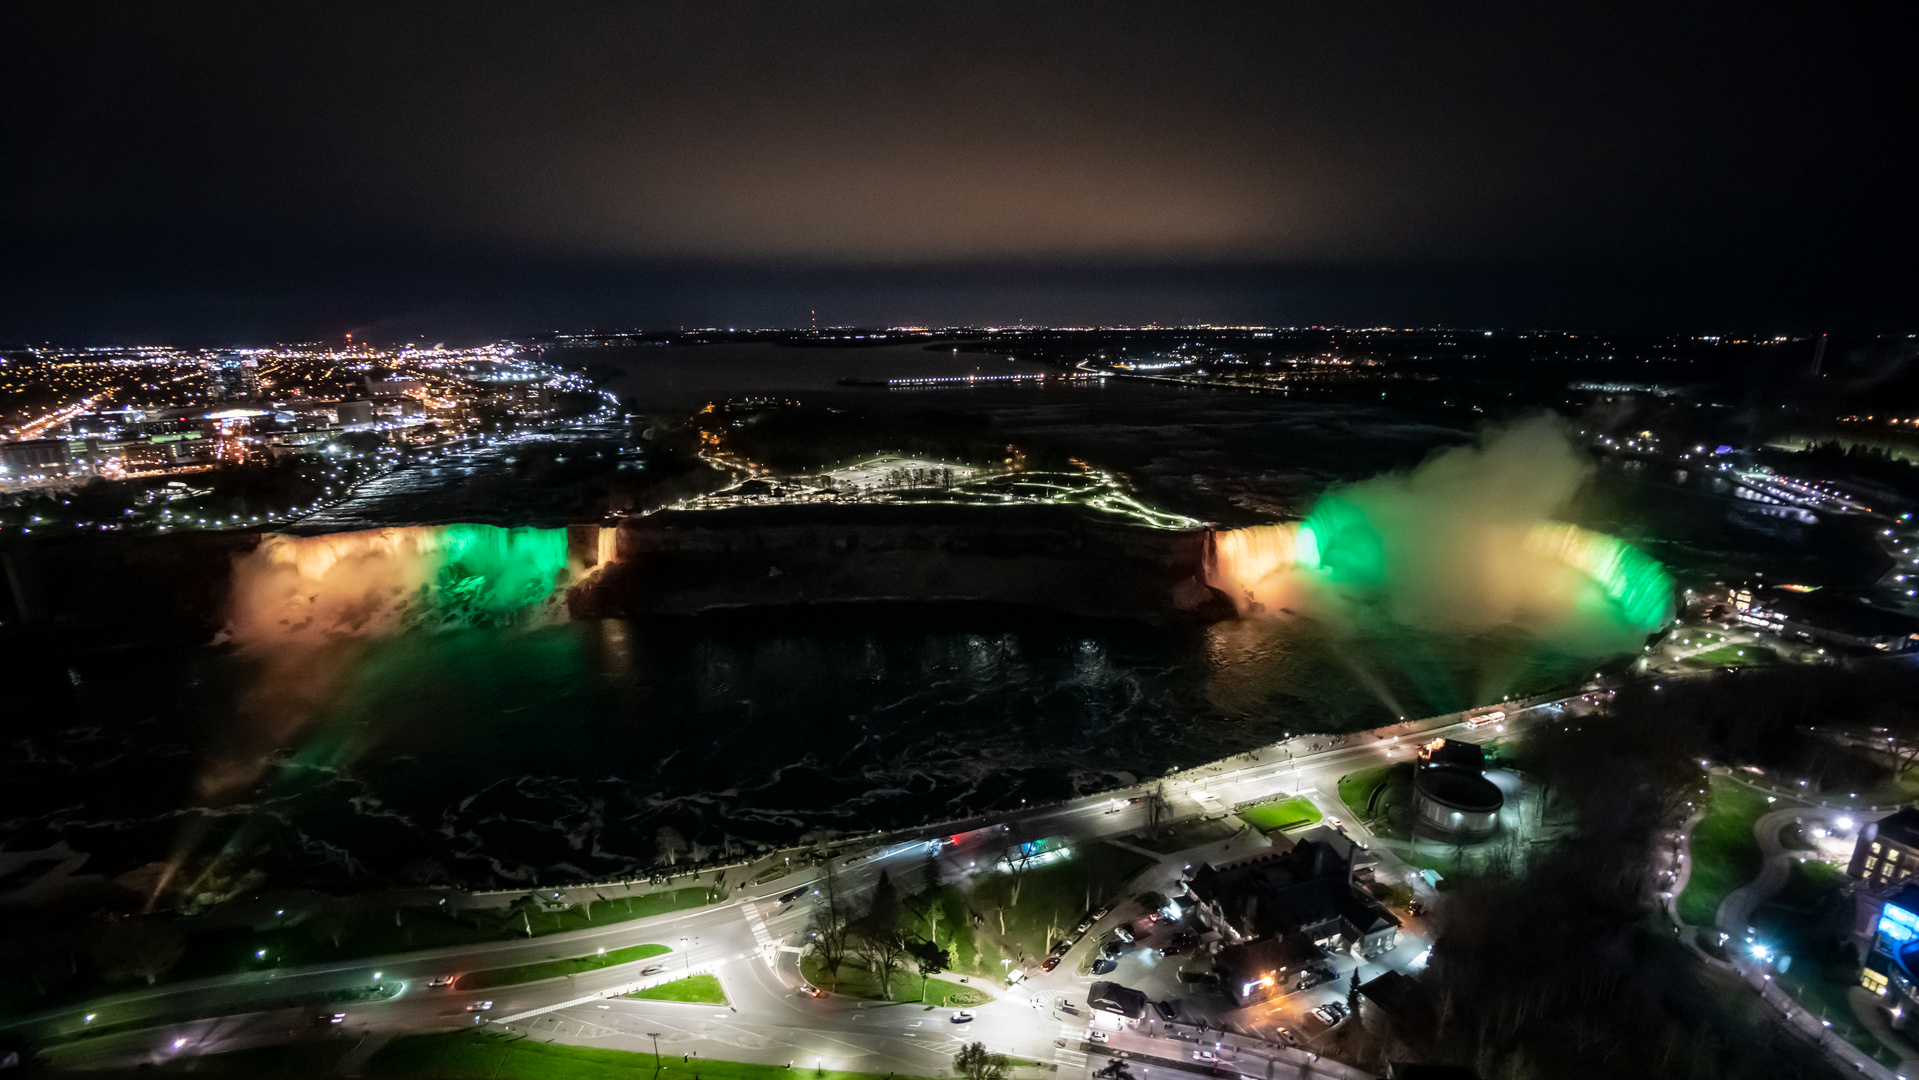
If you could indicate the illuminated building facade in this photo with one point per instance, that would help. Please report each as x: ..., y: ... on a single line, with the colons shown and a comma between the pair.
x: 1889, y: 965
x: 1887, y: 851
x: 1452, y: 799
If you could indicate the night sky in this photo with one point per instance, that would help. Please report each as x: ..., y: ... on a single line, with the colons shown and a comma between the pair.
x: 186, y: 171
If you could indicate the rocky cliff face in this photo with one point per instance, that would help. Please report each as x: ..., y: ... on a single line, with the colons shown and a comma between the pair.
x: 686, y: 562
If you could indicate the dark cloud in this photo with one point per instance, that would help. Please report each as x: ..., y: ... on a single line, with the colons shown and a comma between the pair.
x: 281, y: 160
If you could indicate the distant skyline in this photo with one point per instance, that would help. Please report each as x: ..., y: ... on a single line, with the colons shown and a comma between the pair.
x: 215, y: 171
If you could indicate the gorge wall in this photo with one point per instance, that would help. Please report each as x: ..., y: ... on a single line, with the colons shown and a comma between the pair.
x: 683, y: 563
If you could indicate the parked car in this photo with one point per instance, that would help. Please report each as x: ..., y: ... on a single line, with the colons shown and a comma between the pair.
x: 964, y: 1016
x: 1286, y: 1036
x: 1096, y: 1037
x: 1123, y: 933
x: 1084, y: 925
x: 1104, y: 965
x: 1112, y: 947
x: 1167, y: 1009
x: 1101, y: 913
x: 1051, y: 963
x: 1330, y: 1013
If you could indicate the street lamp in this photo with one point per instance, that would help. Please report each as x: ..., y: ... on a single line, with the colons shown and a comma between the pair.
x: 655, y: 1036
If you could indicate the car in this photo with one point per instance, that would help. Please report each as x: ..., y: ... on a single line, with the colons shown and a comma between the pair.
x: 1060, y: 949
x: 792, y: 896
x: 444, y: 980
x: 1205, y: 1055
x: 1123, y: 933
x: 1085, y: 925
x: 1167, y: 1009
x: 654, y: 970
x: 1335, y: 822
x: 964, y: 1016
x: 330, y: 1018
x: 1325, y: 1016
x: 1096, y: 1037
x: 1338, y: 1010
x: 812, y: 991
x: 1286, y: 1036
x: 1112, y: 947
x: 1051, y: 963
x: 1104, y: 965
x: 479, y: 1006
x: 1100, y: 914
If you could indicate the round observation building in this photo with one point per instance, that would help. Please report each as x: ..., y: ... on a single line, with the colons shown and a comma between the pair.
x: 1452, y: 799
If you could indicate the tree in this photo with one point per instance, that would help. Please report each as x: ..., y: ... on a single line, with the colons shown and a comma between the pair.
x: 143, y: 948
x: 668, y: 845
x: 975, y: 1062
x: 931, y: 960
x: 832, y: 922
x: 883, y: 948
x: 881, y: 936
x: 332, y: 920
x: 1352, y: 994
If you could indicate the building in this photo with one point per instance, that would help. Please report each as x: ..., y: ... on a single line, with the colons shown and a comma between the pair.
x: 1253, y: 972
x: 1310, y: 890
x: 1452, y: 799
x: 232, y: 378
x: 1813, y: 614
x: 1120, y: 1000
x: 1890, y: 961
x: 1887, y: 850
x: 35, y: 459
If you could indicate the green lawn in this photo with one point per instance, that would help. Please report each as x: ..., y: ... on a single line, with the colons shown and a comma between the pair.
x: 471, y: 1055
x: 1372, y: 793
x: 1052, y: 899
x: 1296, y: 812
x: 698, y: 989
x: 854, y: 980
x: 1824, y: 967
x: 1725, y: 855
x: 489, y: 978
x: 1735, y: 656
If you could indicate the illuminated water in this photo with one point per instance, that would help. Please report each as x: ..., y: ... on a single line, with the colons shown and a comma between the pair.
x: 502, y: 753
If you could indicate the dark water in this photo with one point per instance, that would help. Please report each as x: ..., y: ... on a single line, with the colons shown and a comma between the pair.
x: 492, y: 756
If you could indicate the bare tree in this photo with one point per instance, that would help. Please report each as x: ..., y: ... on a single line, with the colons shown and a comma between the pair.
x: 832, y: 922
x: 144, y: 948
x: 668, y: 845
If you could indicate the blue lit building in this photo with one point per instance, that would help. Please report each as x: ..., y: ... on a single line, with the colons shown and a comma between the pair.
x: 1891, y: 962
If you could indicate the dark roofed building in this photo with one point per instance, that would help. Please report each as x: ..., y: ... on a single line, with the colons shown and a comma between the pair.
x: 1267, y: 968
x: 1113, y: 998
x: 1308, y: 890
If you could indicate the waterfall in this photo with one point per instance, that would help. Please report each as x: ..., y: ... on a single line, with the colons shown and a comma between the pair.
x: 309, y: 588
x: 1255, y: 565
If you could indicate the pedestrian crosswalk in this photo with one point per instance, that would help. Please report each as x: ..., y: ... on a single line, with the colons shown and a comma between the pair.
x: 1067, y: 1050
x: 769, y: 949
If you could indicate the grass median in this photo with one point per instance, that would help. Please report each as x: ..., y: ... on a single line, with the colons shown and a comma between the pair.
x: 694, y: 989
x: 477, y: 1055
x: 488, y: 978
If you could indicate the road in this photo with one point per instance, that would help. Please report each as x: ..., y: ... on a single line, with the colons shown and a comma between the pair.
x: 746, y: 941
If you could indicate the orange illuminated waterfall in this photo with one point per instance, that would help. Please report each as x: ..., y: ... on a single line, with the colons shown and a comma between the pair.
x: 1255, y: 566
